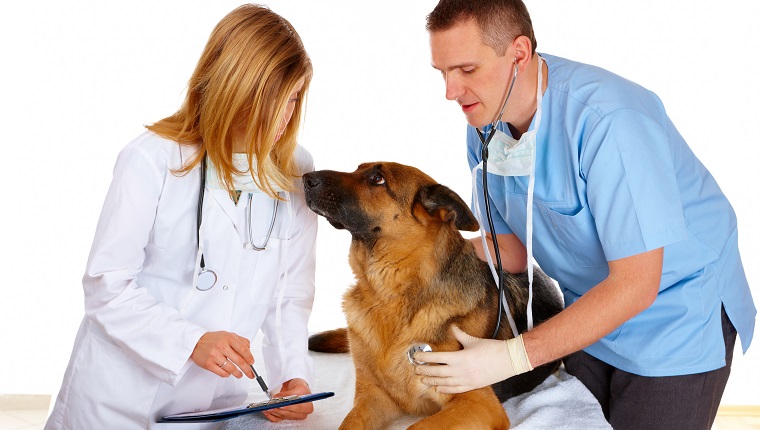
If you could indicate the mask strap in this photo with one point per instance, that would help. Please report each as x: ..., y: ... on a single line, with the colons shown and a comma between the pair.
x: 529, y: 246
x: 488, y: 254
x: 531, y: 184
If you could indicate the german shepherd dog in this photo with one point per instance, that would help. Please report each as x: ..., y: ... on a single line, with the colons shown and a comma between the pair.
x: 416, y: 276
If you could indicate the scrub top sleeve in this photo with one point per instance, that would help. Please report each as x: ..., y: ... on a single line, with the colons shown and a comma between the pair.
x: 496, y: 191
x: 632, y: 189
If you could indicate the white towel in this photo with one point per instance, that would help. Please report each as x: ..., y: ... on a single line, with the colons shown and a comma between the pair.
x: 560, y: 402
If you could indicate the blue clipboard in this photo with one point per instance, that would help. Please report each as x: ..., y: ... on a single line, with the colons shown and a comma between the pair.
x: 227, y: 413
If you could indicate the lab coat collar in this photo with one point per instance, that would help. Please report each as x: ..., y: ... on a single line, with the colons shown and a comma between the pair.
x: 222, y: 198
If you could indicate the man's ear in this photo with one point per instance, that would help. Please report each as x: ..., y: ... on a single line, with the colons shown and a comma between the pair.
x: 523, y: 52
x: 441, y: 202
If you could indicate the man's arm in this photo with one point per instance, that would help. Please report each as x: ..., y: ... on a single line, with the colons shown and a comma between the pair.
x: 631, y: 287
x: 514, y: 256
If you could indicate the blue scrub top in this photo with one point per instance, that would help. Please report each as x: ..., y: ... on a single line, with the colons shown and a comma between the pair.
x: 614, y: 178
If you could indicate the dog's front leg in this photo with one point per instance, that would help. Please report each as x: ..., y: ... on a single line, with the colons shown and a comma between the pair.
x: 473, y: 410
x: 373, y: 408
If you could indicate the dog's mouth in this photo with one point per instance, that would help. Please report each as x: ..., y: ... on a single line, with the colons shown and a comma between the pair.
x: 326, y: 197
x: 315, y: 205
x: 333, y: 222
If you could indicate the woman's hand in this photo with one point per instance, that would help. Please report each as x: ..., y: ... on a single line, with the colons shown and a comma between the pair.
x: 300, y: 411
x: 224, y: 353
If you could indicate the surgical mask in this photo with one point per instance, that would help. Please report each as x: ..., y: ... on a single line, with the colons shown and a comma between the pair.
x: 243, y: 182
x: 511, y: 157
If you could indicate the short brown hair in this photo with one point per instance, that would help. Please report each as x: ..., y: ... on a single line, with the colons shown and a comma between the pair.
x: 500, y: 21
x: 253, y: 61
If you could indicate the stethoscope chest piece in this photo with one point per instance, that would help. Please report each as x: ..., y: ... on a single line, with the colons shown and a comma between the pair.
x: 419, y: 347
x: 206, y: 279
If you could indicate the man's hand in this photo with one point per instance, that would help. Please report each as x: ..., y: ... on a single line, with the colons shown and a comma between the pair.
x: 480, y: 363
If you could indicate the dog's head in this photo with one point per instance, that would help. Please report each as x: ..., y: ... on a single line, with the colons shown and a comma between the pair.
x: 385, y: 200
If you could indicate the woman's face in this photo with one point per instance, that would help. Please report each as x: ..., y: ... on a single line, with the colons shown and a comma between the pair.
x: 238, y: 133
x: 292, y: 99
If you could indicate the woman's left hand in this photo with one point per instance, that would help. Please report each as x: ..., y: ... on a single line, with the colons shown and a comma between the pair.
x: 300, y: 411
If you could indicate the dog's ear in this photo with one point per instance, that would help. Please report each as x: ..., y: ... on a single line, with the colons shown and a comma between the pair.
x: 440, y: 201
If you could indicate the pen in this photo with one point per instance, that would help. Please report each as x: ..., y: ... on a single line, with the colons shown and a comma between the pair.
x: 261, y: 382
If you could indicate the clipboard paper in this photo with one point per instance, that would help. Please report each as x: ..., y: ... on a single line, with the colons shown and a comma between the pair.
x: 227, y: 413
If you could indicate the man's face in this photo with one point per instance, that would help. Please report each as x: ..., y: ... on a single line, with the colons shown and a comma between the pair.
x: 476, y: 77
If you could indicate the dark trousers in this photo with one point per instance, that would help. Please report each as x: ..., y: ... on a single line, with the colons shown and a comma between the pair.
x: 670, y: 402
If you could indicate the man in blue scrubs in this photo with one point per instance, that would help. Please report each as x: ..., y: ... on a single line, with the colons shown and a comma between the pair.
x: 634, y: 229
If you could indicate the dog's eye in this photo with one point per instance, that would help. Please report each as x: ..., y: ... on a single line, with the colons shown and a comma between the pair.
x: 378, y: 179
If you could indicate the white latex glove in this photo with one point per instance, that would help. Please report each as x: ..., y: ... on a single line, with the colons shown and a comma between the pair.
x: 480, y: 363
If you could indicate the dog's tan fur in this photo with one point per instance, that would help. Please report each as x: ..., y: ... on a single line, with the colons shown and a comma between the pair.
x: 415, y: 277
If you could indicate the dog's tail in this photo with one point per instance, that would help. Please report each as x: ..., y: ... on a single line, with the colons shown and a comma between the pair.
x: 334, y: 341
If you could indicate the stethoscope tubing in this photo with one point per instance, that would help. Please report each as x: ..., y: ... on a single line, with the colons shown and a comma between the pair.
x: 207, y: 278
x: 250, y: 227
x: 485, y: 140
x: 199, y: 211
x: 489, y: 219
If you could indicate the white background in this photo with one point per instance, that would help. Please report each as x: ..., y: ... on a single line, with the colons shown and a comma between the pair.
x: 79, y: 79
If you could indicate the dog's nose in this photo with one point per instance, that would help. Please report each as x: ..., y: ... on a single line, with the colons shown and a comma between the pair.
x: 310, y: 181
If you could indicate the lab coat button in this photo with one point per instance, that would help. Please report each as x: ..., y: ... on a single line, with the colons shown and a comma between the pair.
x: 225, y: 287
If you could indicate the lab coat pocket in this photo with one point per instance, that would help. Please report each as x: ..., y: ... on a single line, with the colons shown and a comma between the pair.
x: 578, y: 236
x: 269, y: 270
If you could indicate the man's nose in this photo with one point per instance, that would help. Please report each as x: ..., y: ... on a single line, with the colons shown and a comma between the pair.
x: 454, y: 88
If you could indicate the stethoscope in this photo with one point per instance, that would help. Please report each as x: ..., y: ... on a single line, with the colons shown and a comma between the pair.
x: 206, y: 277
x: 250, y: 244
x: 485, y: 140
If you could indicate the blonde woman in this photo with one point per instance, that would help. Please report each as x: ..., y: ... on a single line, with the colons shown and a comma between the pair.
x: 204, y: 239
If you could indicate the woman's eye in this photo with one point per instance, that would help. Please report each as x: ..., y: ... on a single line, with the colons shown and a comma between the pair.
x: 378, y: 179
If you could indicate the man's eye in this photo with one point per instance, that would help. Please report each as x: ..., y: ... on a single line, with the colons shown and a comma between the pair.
x: 378, y: 179
x: 468, y: 70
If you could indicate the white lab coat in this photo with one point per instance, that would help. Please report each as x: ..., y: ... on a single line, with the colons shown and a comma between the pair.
x: 131, y: 359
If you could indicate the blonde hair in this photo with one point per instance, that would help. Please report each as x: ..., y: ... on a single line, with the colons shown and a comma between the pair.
x: 252, y: 62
